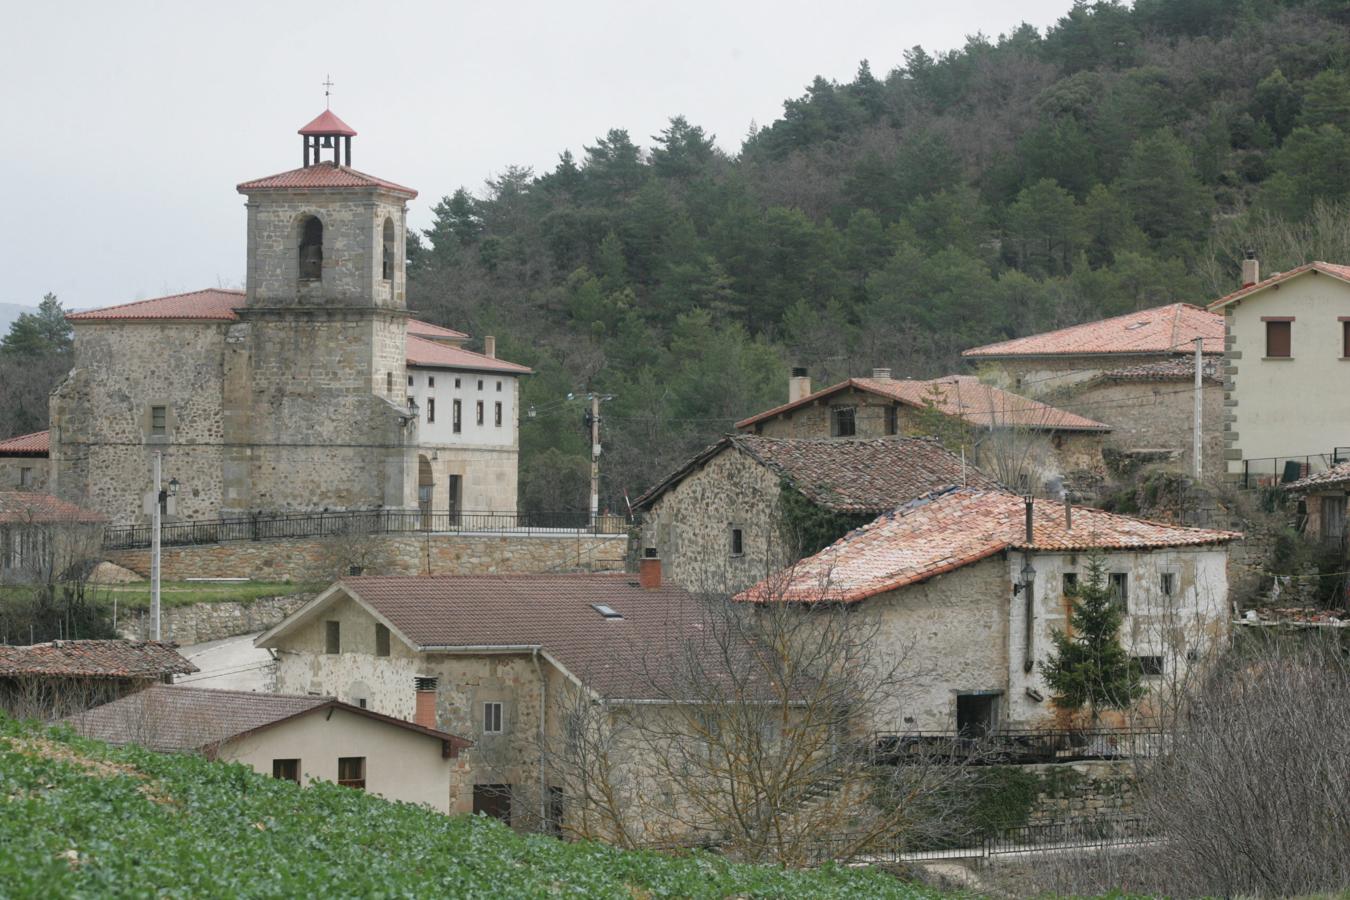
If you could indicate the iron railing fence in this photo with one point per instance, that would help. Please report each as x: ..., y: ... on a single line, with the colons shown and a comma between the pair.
x: 1028, y: 746
x: 1271, y: 471
x: 349, y: 523
x: 1096, y: 833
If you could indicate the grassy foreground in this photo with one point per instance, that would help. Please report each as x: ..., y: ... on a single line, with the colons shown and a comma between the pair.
x: 79, y: 818
x: 184, y: 593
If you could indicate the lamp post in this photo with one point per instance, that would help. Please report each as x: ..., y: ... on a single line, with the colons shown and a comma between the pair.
x: 161, y: 500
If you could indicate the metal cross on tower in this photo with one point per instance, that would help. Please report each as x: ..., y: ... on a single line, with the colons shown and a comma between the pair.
x: 327, y: 85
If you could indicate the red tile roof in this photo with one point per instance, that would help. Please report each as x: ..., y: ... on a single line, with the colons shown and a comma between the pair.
x: 842, y: 474
x: 1182, y: 368
x: 180, y: 718
x: 327, y: 122
x: 434, y: 332
x: 27, y: 507
x: 1334, y: 477
x: 323, y: 176
x: 961, y: 396
x: 38, y: 443
x: 94, y: 659
x: 955, y: 528
x: 1163, y: 329
x: 212, y: 304
x: 433, y: 354
x: 1332, y: 269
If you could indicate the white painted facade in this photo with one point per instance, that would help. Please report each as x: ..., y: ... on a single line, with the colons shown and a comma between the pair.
x: 436, y: 392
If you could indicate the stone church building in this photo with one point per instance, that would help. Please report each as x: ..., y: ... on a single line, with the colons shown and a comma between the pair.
x: 313, y: 389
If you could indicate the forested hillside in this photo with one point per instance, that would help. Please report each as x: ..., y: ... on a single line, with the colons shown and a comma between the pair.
x: 1120, y: 160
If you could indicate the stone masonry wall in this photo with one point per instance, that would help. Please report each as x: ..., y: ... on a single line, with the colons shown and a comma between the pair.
x: 1083, y: 790
x: 11, y: 473
x: 202, y: 622
x: 325, y: 559
x: 1156, y: 415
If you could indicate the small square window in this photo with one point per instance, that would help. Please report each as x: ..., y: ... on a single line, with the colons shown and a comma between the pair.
x: 1120, y: 590
x: 381, y: 640
x: 1149, y: 665
x: 431, y: 381
x: 1279, y: 340
x: 159, y: 419
x: 843, y: 421
x: 1069, y: 584
x: 737, y: 542
x: 480, y: 384
x: 332, y: 635
x: 286, y: 770
x: 410, y: 381
x: 1167, y: 583
x: 352, y: 772
x: 26, y: 475
x: 456, y: 382
x: 499, y: 387
x: 492, y: 718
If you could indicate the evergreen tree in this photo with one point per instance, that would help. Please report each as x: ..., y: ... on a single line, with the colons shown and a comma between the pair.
x: 36, y: 334
x: 1089, y: 667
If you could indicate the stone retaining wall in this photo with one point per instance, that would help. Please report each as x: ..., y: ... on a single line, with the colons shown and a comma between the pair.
x: 202, y: 622
x: 326, y: 559
x: 1084, y: 790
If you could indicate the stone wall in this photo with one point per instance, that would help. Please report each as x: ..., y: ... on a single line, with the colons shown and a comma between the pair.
x: 12, y: 473
x: 1083, y: 790
x: 202, y: 622
x: 1156, y: 415
x: 325, y: 559
x: 1042, y: 377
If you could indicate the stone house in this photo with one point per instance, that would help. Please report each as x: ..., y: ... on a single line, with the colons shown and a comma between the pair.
x: 62, y: 677
x: 966, y: 595
x: 1135, y: 372
x: 1323, y: 496
x: 24, y: 462
x: 1286, y: 348
x: 744, y: 507
x: 310, y: 390
x: 296, y: 737
x: 1021, y: 442
x: 499, y: 659
x: 42, y: 536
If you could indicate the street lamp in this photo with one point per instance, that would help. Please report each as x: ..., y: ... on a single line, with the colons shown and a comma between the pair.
x: 161, y: 504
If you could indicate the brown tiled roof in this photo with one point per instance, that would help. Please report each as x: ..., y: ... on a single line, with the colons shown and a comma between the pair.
x: 1163, y: 329
x: 1334, y: 477
x: 433, y: 332
x: 961, y: 396
x: 627, y: 658
x: 211, y: 304
x: 36, y: 444
x: 842, y: 474
x: 324, y: 175
x: 1182, y: 368
x: 952, y: 529
x: 179, y: 718
x: 34, y: 508
x: 1332, y: 269
x: 432, y: 354
x: 95, y: 659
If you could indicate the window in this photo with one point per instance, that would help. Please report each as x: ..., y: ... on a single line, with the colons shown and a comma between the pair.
x: 332, y: 637
x: 555, y: 812
x: 159, y: 420
x: 1120, y: 590
x: 286, y: 770
x: 1148, y: 665
x: 499, y: 387
x: 387, y: 260
x: 1345, y: 338
x: 389, y: 383
x: 492, y: 800
x: 1167, y: 583
x: 431, y: 381
x: 381, y: 640
x: 431, y: 409
x: 480, y: 412
x: 1069, y: 584
x: 492, y: 718
x: 892, y: 420
x: 607, y: 611
x: 26, y: 475
x: 311, y: 250
x: 843, y: 421
x: 1279, y: 343
x: 480, y: 384
x: 352, y: 772
x: 456, y: 382
x: 497, y: 413
x: 1333, y: 516
x: 361, y: 702
x: 410, y: 381
x: 455, y: 411
x: 737, y: 542
x: 976, y: 714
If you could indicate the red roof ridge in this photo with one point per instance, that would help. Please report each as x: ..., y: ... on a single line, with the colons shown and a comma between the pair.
x: 435, y: 354
x: 1105, y: 336
x: 327, y: 122
x: 323, y: 175
x: 208, y: 300
x: 35, y: 442
x: 1335, y: 270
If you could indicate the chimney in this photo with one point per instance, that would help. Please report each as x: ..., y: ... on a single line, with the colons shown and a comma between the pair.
x: 799, y: 384
x: 490, y: 346
x: 424, y: 706
x: 1068, y: 512
x: 881, y: 374
x: 1251, y: 269
x: 649, y: 570
x: 1031, y: 533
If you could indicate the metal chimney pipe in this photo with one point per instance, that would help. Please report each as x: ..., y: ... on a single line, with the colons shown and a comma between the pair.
x: 1031, y: 534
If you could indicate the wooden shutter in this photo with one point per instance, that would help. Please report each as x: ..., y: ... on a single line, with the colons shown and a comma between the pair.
x: 1278, y: 344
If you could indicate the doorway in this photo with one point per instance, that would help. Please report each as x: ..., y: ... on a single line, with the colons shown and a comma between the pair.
x: 454, y: 499
x: 425, y: 485
x: 493, y: 800
x: 976, y: 714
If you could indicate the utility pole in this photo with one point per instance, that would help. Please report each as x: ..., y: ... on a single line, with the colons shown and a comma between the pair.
x: 154, y: 549
x: 595, y: 458
x: 1197, y: 467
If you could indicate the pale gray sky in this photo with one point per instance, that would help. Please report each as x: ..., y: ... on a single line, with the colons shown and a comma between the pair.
x: 128, y: 123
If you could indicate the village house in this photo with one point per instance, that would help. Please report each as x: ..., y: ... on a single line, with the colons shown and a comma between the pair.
x: 294, y: 737
x: 747, y: 506
x: 1323, y: 497
x: 310, y: 390
x: 1286, y: 347
x: 503, y: 660
x: 1023, y: 443
x: 1135, y: 372
x: 61, y: 677
x: 24, y: 462
x: 967, y: 593
x: 42, y: 536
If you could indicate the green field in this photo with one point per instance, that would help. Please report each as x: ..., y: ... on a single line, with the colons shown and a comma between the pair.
x: 78, y: 818
x: 182, y: 593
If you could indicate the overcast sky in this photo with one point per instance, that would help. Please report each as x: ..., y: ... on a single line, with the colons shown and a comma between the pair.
x: 128, y: 123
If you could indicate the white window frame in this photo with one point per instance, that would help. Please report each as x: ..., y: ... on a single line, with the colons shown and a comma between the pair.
x: 494, y: 717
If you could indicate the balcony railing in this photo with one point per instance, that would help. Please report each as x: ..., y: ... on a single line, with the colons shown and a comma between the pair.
x: 354, y: 523
x: 1017, y: 746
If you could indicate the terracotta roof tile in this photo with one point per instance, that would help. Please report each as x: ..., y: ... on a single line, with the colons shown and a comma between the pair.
x: 36, y: 444
x: 323, y: 176
x: 952, y: 529
x: 1336, y: 476
x: 211, y: 304
x: 1182, y: 368
x: 1163, y: 329
x: 94, y: 659
x: 962, y: 396
x: 433, y: 332
x: 433, y: 354
x: 32, y: 507
x: 845, y: 475
x: 1332, y: 269
x: 180, y: 718
x: 327, y: 122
